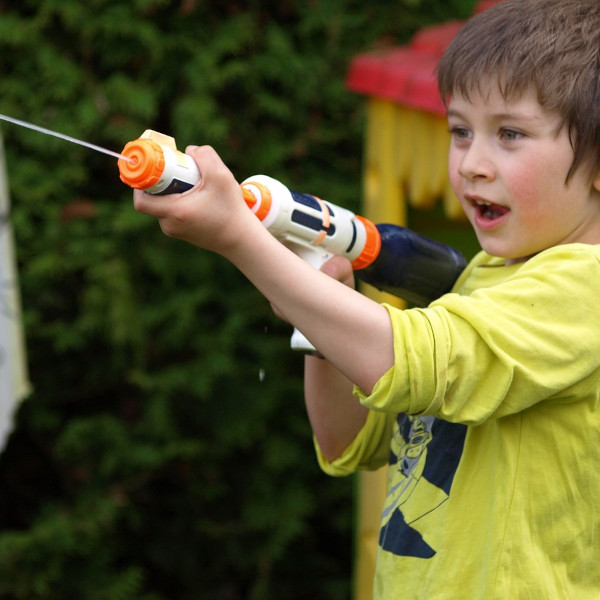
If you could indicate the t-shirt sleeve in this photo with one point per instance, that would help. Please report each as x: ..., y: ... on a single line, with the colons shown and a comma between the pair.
x: 533, y: 337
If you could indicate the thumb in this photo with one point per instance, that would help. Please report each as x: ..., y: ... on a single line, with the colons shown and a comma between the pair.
x: 339, y: 268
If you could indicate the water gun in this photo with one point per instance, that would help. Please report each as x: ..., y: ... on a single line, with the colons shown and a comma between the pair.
x: 392, y: 258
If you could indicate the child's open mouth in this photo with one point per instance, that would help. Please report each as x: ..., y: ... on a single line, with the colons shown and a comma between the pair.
x: 489, y: 211
x: 487, y: 214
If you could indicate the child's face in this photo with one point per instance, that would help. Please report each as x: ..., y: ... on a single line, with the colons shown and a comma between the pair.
x: 508, y: 165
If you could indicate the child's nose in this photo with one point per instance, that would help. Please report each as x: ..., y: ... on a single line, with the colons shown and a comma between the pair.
x: 476, y: 162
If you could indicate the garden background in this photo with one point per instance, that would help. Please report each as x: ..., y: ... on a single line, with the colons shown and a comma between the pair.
x: 164, y: 452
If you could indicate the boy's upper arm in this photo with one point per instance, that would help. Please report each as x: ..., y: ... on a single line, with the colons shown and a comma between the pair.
x: 535, y: 336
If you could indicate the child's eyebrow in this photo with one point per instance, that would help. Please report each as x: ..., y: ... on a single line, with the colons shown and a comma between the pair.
x: 453, y: 113
x: 500, y: 116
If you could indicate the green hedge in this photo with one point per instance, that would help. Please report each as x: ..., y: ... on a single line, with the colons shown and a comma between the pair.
x: 164, y: 452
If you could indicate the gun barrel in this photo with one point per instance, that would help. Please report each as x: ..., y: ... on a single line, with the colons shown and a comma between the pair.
x: 413, y: 267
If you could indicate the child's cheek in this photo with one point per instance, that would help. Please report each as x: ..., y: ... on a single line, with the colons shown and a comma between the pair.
x: 453, y: 174
x: 523, y: 189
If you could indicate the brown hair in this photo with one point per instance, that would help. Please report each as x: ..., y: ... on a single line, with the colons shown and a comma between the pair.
x: 553, y: 45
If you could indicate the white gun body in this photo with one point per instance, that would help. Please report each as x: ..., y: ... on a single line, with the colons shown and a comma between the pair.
x: 314, y: 229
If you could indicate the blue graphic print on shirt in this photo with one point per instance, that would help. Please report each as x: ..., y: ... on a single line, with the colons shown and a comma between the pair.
x: 425, y: 452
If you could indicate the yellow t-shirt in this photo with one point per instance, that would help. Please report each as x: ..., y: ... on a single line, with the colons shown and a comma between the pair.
x: 490, y: 422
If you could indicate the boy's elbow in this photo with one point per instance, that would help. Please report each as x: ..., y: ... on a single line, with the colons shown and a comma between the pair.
x: 331, y: 450
x: 332, y: 445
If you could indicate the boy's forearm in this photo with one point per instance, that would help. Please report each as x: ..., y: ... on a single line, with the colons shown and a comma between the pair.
x: 335, y: 414
x: 352, y: 331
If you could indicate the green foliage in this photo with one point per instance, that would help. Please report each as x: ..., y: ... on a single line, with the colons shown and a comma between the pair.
x: 164, y: 452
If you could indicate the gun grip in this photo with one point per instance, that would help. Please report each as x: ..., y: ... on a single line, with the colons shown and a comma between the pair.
x: 316, y: 257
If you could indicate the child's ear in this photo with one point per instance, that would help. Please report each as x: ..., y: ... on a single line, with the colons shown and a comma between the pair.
x: 596, y: 181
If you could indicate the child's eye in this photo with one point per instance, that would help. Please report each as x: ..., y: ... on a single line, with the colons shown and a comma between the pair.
x: 460, y: 133
x: 510, y: 135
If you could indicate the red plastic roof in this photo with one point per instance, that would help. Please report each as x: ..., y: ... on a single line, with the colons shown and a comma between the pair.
x: 406, y: 74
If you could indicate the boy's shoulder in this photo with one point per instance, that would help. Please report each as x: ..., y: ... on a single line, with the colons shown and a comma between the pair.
x: 571, y: 261
x: 569, y: 256
x: 573, y: 253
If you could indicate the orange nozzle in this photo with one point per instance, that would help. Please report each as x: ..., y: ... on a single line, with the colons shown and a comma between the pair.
x: 372, y: 245
x: 254, y: 192
x: 249, y: 197
x: 145, y: 165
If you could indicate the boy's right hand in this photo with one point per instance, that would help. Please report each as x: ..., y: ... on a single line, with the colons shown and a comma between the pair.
x: 211, y: 215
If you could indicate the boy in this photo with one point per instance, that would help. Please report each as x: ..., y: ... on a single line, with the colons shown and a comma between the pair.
x: 485, y: 404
